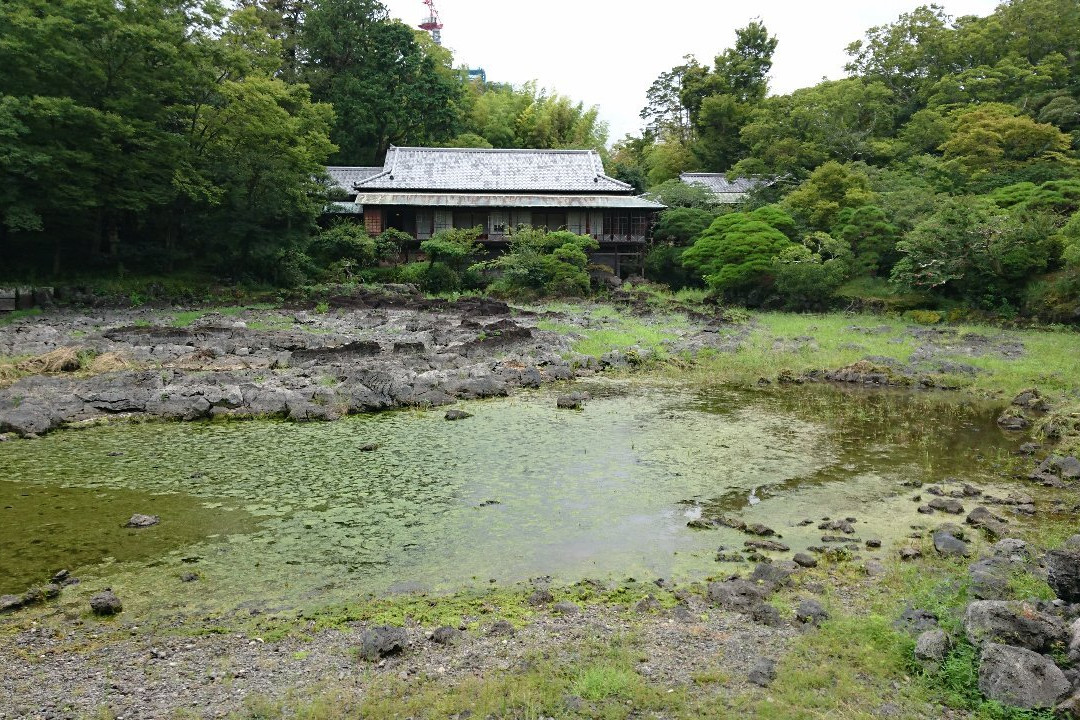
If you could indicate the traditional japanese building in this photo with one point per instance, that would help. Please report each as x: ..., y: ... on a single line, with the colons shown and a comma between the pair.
x: 727, y: 192
x: 424, y: 190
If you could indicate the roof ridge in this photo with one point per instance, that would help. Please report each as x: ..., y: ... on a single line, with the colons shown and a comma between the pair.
x: 497, y: 150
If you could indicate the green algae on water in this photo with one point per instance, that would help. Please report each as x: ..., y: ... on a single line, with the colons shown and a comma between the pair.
x: 274, y: 514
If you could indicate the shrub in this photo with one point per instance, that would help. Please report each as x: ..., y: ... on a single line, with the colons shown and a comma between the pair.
x: 544, y: 262
x: 664, y: 264
x: 735, y: 255
x: 390, y: 243
x: 682, y: 225
x: 923, y: 317
x: 344, y: 240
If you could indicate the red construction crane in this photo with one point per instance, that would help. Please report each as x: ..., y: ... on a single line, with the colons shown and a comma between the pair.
x: 432, y: 23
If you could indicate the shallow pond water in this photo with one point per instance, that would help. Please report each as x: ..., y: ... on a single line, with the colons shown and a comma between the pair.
x: 274, y: 514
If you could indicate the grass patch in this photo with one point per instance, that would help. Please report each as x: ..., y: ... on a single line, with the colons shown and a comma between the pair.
x: 10, y: 317
x: 601, y: 682
x: 185, y: 318
x: 1048, y: 361
x: 617, y: 331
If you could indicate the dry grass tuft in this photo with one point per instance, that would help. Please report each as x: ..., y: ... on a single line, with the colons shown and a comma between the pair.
x: 110, y: 362
x: 65, y: 359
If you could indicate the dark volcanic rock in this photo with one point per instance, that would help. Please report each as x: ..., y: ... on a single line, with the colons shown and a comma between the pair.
x: 572, y: 401
x: 446, y: 635
x: 142, y: 521
x: 106, y: 603
x: 947, y: 543
x: 931, y: 647
x: 1020, y: 678
x: 1066, y: 468
x: 381, y: 641
x: 916, y: 621
x: 1012, y: 623
x: 766, y: 614
x: 541, y: 596
x: 735, y: 594
x: 804, y: 560
x: 811, y: 612
x: 565, y: 607
x: 991, y: 524
x: 763, y: 672
x: 1013, y: 421
x: 949, y: 505
x: 1031, y: 399
x: 769, y: 545
x: 10, y: 603
x: 1063, y: 571
x: 457, y: 415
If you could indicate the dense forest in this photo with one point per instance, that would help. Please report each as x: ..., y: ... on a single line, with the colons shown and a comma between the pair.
x: 177, y: 135
x: 943, y: 171
x: 168, y: 135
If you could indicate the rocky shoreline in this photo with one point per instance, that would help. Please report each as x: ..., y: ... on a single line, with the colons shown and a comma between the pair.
x: 375, y: 351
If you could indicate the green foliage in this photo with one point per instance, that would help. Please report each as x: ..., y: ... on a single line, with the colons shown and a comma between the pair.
x: 504, y: 116
x: 1061, y: 197
x: 735, y: 255
x: 553, y: 263
x: 386, y: 84
x: 679, y: 195
x: 664, y: 264
x: 454, y: 248
x: 832, y: 187
x: 807, y: 276
x: 344, y: 241
x: 923, y: 317
x: 391, y: 242
x: 870, y: 235
x: 996, y: 136
x: 682, y: 225
x: 128, y: 126
x: 971, y: 249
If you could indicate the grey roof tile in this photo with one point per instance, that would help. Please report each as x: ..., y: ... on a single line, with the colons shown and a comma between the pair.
x: 719, y: 184
x: 344, y: 177
x: 493, y: 171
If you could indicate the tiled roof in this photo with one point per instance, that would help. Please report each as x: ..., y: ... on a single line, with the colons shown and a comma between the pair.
x: 517, y: 200
x: 719, y: 184
x: 463, y: 169
x: 344, y: 177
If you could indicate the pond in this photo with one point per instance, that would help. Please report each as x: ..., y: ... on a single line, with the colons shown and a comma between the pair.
x: 273, y: 514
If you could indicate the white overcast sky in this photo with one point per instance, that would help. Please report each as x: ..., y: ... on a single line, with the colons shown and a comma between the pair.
x: 607, y: 53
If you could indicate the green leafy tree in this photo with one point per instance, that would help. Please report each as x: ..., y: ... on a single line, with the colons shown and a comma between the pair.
x: 870, y: 236
x: 974, y: 250
x: 538, y: 261
x: 675, y: 193
x: 385, y: 85
x: 991, y: 137
x: 682, y: 225
x: 735, y: 255
x: 807, y: 276
x: 817, y: 202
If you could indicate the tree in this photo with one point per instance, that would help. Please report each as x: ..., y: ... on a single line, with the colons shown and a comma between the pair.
x: 817, y: 202
x: 682, y: 224
x: 989, y: 138
x: 807, y: 276
x: 735, y: 255
x: 972, y: 249
x: 870, y: 237
x: 676, y: 193
x: 385, y: 88
x: 665, y: 112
